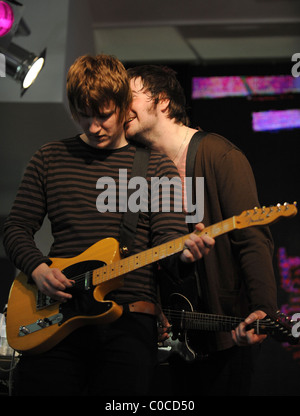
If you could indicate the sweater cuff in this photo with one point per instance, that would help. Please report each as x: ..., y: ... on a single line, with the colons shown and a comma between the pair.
x: 33, y: 265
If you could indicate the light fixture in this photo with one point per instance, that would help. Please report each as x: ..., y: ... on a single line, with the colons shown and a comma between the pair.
x: 11, y: 13
x: 6, y: 18
x: 22, y: 65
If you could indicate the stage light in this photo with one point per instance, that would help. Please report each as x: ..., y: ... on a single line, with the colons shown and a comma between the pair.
x: 11, y: 21
x: 23, y: 66
x: 6, y: 18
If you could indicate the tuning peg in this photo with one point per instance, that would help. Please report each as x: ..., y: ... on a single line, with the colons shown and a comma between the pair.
x: 279, y: 207
x: 282, y: 315
x: 270, y: 210
x: 286, y: 204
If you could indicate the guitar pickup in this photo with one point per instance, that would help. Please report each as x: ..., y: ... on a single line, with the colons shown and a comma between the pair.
x: 40, y: 324
x: 87, y: 281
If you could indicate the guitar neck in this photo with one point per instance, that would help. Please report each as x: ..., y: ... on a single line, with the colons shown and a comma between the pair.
x: 255, y: 217
x: 219, y: 228
x: 202, y: 321
x: 188, y: 320
x: 157, y: 253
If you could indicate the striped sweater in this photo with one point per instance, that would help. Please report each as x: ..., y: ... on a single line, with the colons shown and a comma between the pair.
x: 61, y: 181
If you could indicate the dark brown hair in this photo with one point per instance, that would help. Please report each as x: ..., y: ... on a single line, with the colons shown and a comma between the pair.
x: 94, y: 81
x: 161, y: 82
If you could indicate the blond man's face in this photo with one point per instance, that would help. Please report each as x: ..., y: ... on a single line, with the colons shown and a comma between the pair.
x: 104, y: 131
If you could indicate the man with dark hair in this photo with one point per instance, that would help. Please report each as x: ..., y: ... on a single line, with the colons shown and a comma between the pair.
x: 62, y: 180
x: 237, y: 277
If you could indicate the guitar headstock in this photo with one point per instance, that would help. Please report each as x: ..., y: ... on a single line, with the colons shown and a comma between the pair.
x: 265, y: 215
x: 279, y: 327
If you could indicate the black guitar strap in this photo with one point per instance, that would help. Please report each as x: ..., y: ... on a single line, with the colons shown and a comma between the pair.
x: 130, y: 219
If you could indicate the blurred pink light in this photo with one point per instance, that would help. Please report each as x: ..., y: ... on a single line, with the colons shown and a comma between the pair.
x: 6, y: 18
x: 276, y: 120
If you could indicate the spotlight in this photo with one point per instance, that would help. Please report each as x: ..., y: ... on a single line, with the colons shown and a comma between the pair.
x: 22, y: 65
x: 11, y: 13
x: 6, y: 18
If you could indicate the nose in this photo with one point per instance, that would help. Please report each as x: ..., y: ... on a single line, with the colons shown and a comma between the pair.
x: 94, y: 126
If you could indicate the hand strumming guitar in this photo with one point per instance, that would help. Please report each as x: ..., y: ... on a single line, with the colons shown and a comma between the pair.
x: 52, y: 282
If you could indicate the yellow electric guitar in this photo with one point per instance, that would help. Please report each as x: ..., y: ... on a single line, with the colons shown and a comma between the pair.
x: 35, y: 322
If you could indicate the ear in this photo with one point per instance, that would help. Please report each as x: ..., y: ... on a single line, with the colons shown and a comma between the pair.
x: 163, y: 103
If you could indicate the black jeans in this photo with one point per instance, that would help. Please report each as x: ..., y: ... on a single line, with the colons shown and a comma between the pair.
x: 118, y: 359
x: 225, y: 373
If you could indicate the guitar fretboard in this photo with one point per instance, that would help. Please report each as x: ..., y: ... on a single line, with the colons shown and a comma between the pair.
x: 190, y: 320
x: 157, y: 253
x: 202, y: 321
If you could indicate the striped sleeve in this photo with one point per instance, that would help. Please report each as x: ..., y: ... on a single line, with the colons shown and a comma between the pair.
x: 26, y: 218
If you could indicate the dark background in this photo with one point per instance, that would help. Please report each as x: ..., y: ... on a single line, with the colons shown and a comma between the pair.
x: 274, y: 157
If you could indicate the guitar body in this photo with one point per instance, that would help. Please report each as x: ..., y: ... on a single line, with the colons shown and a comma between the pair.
x: 178, y: 341
x: 35, y: 323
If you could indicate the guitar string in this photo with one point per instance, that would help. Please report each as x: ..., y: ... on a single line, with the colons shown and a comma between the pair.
x: 210, y: 319
x: 218, y: 230
x: 158, y: 252
x: 199, y: 315
x: 163, y: 247
x: 215, y: 227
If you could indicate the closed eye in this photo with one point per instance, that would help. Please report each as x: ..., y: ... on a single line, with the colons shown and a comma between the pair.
x: 100, y: 116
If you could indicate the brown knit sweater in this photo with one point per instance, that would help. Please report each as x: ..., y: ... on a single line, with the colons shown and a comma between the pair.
x: 237, y: 276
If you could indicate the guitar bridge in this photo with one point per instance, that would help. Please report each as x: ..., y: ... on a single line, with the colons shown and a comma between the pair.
x: 40, y: 324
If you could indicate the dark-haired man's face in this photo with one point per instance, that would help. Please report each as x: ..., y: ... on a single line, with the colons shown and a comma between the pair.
x: 142, y: 119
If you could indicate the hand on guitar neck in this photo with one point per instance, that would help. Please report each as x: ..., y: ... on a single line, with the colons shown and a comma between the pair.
x: 197, y: 246
x: 242, y: 337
